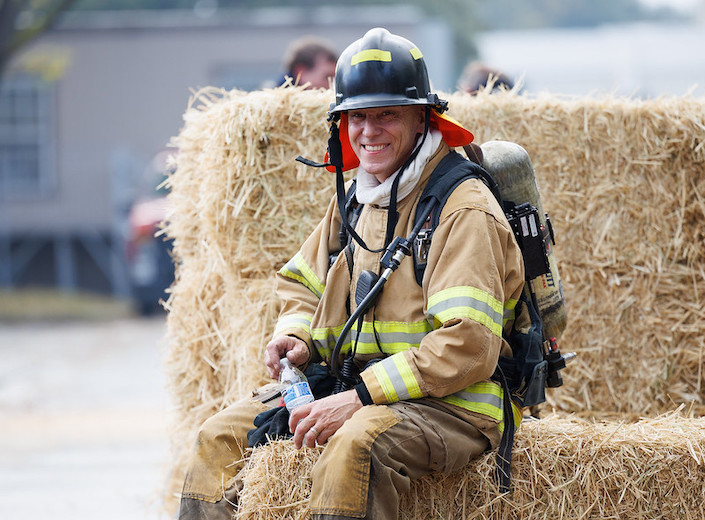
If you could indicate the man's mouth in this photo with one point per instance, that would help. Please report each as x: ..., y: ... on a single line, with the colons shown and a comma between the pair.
x: 374, y: 147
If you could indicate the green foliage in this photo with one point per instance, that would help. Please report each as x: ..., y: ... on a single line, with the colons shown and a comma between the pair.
x: 23, y: 20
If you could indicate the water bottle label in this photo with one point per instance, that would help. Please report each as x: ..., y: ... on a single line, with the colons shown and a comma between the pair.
x: 298, y: 394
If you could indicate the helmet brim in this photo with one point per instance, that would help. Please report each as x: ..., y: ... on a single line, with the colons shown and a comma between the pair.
x: 376, y: 101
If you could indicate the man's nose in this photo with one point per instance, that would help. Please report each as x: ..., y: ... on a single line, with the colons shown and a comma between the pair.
x: 370, y: 126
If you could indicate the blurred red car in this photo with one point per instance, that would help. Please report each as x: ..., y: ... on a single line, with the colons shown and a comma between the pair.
x: 149, y: 260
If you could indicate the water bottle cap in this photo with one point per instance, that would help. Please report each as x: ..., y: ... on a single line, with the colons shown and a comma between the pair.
x: 284, y: 362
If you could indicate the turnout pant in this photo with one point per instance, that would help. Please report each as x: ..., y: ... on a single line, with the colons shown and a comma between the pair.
x: 365, y: 466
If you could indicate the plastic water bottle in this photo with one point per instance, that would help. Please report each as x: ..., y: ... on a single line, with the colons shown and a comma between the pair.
x: 296, y: 389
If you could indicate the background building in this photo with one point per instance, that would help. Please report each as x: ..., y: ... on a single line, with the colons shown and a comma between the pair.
x: 86, y: 107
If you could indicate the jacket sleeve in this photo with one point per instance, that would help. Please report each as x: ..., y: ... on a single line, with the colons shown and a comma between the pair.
x: 301, y: 281
x: 473, y: 279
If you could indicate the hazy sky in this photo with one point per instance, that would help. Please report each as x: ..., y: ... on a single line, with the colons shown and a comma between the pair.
x: 685, y: 5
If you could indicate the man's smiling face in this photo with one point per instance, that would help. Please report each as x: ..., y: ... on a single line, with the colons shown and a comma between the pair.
x: 383, y: 138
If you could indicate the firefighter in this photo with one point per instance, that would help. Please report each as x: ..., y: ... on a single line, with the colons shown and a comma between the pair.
x: 423, y: 401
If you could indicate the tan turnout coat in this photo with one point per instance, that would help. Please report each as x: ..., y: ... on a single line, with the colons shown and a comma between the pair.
x: 439, y: 340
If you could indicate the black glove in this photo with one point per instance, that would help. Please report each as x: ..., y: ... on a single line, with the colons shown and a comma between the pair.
x: 320, y: 381
x: 270, y: 424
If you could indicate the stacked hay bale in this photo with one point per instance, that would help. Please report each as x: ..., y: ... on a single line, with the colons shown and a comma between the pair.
x: 564, y: 469
x: 623, y: 181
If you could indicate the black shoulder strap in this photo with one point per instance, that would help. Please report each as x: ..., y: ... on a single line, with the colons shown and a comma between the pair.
x: 350, y: 205
x: 448, y: 174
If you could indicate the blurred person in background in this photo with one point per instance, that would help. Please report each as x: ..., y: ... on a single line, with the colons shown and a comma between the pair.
x: 477, y: 76
x: 309, y: 61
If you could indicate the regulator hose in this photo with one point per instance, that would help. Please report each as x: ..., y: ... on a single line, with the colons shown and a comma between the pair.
x: 394, y: 254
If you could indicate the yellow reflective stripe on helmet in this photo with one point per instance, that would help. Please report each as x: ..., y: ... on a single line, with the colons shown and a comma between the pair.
x: 416, y: 53
x: 467, y: 302
x: 297, y: 269
x: 371, y: 55
x: 396, y: 379
x: 294, y: 321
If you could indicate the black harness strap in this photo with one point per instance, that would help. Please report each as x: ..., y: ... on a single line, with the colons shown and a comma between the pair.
x: 452, y: 170
x: 504, y: 451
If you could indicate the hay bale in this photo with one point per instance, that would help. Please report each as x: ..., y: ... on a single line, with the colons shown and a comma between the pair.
x: 622, y: 180
x: 564, y: 468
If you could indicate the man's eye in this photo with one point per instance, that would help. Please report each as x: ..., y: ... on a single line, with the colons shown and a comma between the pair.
x: 357, y: 116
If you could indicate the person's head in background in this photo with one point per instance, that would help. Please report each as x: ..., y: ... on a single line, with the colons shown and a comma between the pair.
x: 310, y: 60
x: 477, y: 76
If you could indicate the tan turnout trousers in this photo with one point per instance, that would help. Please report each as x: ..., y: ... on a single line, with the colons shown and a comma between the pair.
x: 363, y: 469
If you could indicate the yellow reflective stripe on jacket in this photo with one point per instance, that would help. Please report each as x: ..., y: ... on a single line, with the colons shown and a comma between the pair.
x: 396, y: 379
x: 509, y: 310
x: 486, y: 398
x: 394, y: 336
x: 297, y: 269
x: 324, y: 340
x: 517, y: 417
x: 467, y: 302
x: 294, y: 321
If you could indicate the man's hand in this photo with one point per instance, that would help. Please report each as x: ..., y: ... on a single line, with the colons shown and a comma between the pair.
x: 293, y: 348
x: 317, y: 421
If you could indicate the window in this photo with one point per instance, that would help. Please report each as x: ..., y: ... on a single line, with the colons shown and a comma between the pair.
x: 24, y: 137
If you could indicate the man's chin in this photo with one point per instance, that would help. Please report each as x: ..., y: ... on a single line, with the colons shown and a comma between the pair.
x: 381, y: 173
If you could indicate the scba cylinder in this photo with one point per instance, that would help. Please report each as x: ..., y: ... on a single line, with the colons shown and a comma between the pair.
x: 510, y: 166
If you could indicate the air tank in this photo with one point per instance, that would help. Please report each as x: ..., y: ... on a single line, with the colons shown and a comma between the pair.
x: 510, y: 166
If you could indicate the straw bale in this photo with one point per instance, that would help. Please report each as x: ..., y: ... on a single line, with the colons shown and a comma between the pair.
x: 563, y: 468
x: 622, y: 179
